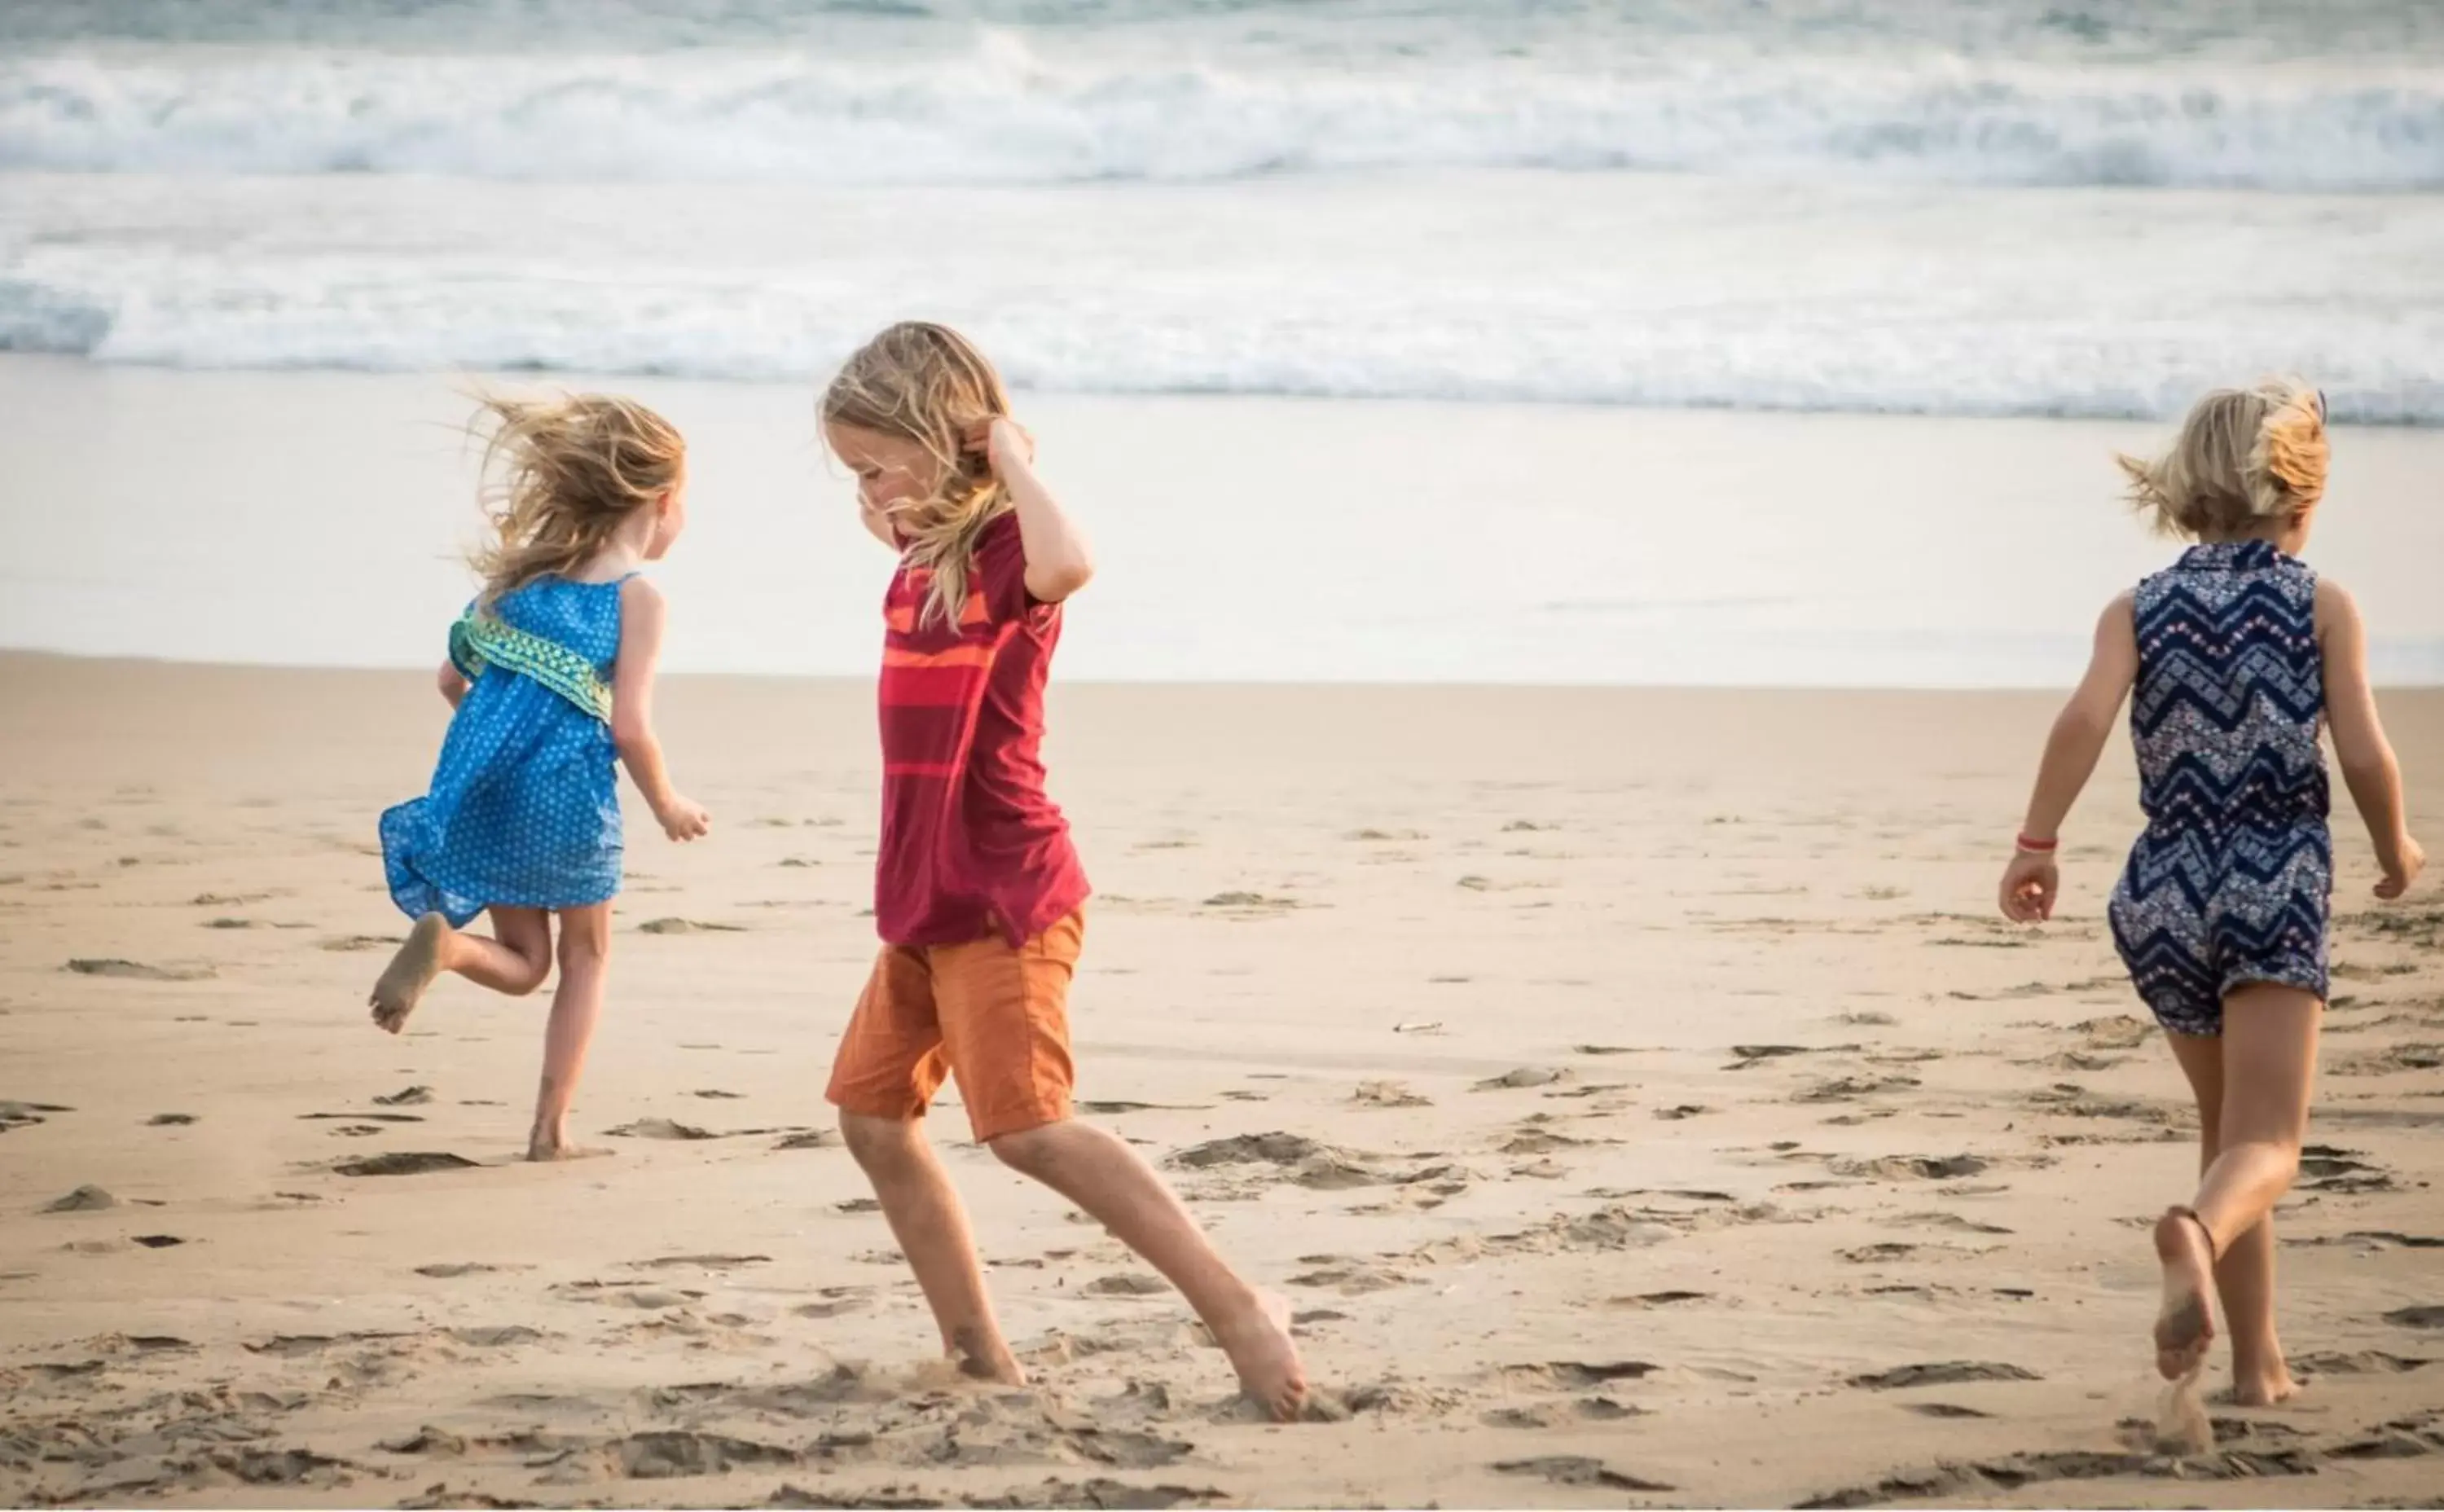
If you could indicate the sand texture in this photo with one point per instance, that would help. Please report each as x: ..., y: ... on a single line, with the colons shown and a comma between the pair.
x: 1633, y: 1090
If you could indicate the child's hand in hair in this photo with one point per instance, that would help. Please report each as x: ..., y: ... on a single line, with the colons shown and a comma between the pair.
x: 1006, y: 444
x: 2030, y: 884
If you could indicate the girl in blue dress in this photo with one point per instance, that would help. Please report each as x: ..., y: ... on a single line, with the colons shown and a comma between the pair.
x: 2236, y: 658
x: 552, y: 674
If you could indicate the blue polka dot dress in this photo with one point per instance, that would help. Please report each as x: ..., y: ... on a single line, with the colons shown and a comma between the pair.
x: 525, y: 807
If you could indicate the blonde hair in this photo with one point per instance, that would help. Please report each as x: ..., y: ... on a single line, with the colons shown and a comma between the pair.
x: 926, y: 383
x: 562, y: 475
x: 2244, y: 457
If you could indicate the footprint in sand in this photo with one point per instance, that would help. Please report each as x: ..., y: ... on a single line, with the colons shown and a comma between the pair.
x: 346, y: 943
x: 1943, y: 1409
x: 1349, y: 1277
x: 2365, y: 1362
x: 1522, y: 1078
x: 405, y: 1163
x: 687, y: 927
x: 1573, y: 1375
x: 1126, y: 1284
x: 406, y: 1098
x: 836, y: 1302
x: 168, y: 1120
x: 1654, y: 1300
x: 660, y: 1128
x: 140, y: 971
x: 1387, y: 1095
x: 1947, y: 1372
x: 1577, y: 1471
x: 83, y: 1200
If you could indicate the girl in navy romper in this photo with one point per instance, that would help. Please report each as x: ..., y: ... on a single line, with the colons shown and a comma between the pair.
x: 2239, y: 656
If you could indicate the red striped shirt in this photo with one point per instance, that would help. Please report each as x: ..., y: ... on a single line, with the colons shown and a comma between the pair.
x: 970, y: 845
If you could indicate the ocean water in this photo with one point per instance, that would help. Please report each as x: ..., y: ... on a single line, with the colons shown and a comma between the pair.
x: 1624, y: 310
x: 1980, y: 207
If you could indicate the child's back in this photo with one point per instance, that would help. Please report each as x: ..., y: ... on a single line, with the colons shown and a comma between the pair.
x: 2230, y: 881
x: 2231, y: 691
x: 524, y: 810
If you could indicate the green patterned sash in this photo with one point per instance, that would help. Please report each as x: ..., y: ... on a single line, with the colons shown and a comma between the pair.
x: 479, y: 640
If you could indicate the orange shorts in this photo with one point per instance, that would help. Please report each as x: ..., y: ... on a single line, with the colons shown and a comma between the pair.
x: 995, y: 1017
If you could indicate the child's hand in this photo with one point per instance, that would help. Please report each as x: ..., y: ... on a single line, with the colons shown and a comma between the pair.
x: 2401, y: 870
x: 2030, y: 884
x: 1005, y: 443
x: 683, y: 820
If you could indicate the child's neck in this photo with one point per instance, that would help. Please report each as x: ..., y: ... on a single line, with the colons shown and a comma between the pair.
x: 621, y: 555
x: 613, y: 561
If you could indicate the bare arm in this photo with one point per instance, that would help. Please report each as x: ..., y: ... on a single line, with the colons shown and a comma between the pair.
x: 642, y: 615
x: 1058, y: 559
x: 452, y: 682
x: 2085, y: 723
x: 2369, y: 768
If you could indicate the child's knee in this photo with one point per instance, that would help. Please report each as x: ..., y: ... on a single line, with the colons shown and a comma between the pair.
x: 1036, y: 1152
x: 879, y: 1145
x: 584, y: 940
x: 533, y: 970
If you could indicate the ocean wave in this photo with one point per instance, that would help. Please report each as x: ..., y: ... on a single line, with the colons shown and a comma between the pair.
x: 2374, y: 370
x: 1000, y: 114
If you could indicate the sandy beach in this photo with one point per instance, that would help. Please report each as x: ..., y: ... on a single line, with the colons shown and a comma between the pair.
x: 1632, y: 1090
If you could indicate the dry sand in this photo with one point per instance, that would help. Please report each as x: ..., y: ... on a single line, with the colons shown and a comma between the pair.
x: 1632, y: 1089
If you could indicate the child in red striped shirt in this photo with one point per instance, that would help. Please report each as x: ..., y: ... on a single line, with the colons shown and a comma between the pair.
x: 978, y: 893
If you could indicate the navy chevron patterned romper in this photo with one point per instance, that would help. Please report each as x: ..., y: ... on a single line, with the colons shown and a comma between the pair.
x: 2232, y: 879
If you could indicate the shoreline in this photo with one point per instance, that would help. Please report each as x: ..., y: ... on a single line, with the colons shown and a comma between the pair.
x: 316, y: 518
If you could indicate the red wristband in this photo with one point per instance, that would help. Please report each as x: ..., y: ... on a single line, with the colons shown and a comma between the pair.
x: 2038, y: 847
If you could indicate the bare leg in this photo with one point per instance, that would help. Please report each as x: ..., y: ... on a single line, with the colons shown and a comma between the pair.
x: 931, y: 1227
x: 2257, y: 1093
x: 1106, y: 1177
x: 516, y: 963
x: 2269, y: 1073
x: 576, y: 1006
x: 2185, y: 1324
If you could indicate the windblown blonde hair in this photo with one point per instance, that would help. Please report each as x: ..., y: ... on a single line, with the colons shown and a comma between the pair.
x: 2244, y: 457
x: 926, y: 383
x: 562, y: 475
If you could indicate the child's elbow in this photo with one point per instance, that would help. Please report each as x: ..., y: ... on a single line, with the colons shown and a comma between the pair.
x: 2080, y: 722
x: 631, y: 738
x: 1054, y: 583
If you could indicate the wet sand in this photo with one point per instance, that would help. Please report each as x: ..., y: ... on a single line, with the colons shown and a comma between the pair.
x: 1633, y: 1090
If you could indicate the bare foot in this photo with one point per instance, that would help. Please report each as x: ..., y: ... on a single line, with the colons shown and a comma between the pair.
x: 561, y: 1150
x: 1259, y: 1345
x: 2185, y: 1327
x: 981, y: 1355
x: 2263, y: 1388
x: 410, y: 972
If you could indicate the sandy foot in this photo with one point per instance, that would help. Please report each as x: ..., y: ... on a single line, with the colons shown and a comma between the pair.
x: 409, y: 974
x: 1260, y: 1348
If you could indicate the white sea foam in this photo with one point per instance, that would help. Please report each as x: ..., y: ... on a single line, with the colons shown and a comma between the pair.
x: 1003, y: 110
x: 1620, y: 290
